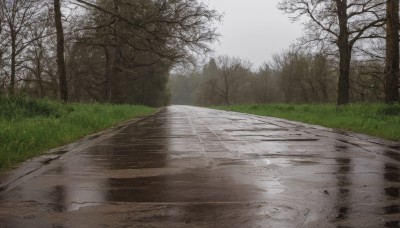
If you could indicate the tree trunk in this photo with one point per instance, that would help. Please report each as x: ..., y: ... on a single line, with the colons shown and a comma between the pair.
x: 107, y: 86
x: 344, y: 76
x: 13, y: 63
x: 227, y: 102
x: 392, y: 52
x: 115, y: 83
x: 345, y: 54
x: 227, y: 92
x: 62, y: 72
x: 115, y: 61
x: 324, y: 87
x: 39, y: 78
x: 324, y: 92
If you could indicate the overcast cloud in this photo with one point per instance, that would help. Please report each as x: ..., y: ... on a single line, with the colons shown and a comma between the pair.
x: 253, y: 29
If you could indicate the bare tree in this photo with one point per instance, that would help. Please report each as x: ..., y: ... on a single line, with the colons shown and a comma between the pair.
x: 18, y: 16
x: 207, y: 92
x: 173, y: 30
x: 323, y: 76
x: 368, y: 81
x: 283, y: 65
x: 342, y: 22
x: 62, y: 72
x: 261, y: 84
x: 233, y: 72
x: 40, y: 49
x: 392, y: 52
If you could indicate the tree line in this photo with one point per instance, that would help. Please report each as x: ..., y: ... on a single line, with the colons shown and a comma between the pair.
x: 99, y: 50
x: 123, y: 51
x: 349, y: 52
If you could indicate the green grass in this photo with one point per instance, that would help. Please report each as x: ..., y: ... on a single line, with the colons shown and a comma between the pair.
x: 29, y: 128
x: 372, y: 119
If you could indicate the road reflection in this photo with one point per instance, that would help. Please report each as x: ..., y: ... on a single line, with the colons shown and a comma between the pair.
x: 343, y: 171
x: 392, y: 176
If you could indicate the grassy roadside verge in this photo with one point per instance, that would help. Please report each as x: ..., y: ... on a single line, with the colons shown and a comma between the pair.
x: 373, y: 119
x: 28, y: 127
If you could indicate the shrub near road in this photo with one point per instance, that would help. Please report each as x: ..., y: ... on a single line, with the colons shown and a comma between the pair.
x: 373, y: 119
x: 29, y: 127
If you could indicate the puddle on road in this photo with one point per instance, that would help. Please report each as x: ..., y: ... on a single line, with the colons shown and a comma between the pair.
x: 392, y: 209
x: 392, y: 154
x: 289, y: 140
x: 392, y: 173
x: 393, y: 224
x: 257, y: 130
x: 395, y: 147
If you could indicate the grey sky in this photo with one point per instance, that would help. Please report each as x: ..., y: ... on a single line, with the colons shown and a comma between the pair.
x: 253, y: 29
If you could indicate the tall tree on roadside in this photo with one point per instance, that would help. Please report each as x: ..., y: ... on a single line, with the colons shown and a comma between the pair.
x: 1, y: 56
x: 392, y: 52
x: 62, y: 72
x: 342, y: 22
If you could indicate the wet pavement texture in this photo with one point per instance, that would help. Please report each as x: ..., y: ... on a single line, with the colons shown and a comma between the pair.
x: 195, y: 167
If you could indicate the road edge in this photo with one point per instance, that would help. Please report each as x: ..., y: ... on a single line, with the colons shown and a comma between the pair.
x: 14, y: 176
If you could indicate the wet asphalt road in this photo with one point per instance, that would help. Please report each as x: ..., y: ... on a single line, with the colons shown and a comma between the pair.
x: 195, y: 167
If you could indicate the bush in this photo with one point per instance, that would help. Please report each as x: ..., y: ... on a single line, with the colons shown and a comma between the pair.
x: 392, y: 110
x: 21, y: 107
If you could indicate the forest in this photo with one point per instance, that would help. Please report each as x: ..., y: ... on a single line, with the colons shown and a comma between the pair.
x: 149, y: 52
x: 99, y: 51
x: 348, y: 54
